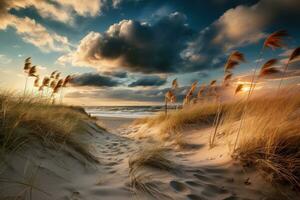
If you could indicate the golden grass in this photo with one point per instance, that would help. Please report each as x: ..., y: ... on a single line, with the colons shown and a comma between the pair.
x: 269, y: 137
x: 151, y: 157
x: 26, y: 119
x: 154, y: 157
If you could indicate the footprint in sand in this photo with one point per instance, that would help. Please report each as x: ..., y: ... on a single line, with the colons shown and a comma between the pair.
x: 213, y: 190
x: 178, y: 186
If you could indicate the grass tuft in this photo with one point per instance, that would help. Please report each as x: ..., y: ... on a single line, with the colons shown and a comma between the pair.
x: 24, y: 119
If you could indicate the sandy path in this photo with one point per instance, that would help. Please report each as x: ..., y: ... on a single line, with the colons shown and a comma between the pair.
x: 199, y: 173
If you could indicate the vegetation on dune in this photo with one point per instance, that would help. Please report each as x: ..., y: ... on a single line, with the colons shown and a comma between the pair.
x: 24, y: 119
x: 271, y: 138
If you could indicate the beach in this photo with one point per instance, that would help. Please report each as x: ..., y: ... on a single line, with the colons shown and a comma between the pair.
x: 130, y: 162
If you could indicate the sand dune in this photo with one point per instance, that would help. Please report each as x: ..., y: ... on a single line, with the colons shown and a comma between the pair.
x: 192, y: 171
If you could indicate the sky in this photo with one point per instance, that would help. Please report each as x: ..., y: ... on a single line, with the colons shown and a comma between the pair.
x: 127, y: 52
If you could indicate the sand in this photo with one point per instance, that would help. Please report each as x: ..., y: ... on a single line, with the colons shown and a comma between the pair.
x: 199, y: 173
x: 114, y: 124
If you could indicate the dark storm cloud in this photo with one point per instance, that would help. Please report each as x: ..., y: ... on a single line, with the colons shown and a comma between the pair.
x: 118, y: 74
x: 169, y: 44
x: 94, y: 79
x: 148, y: 81
x: 151, y: 95
x: 137, y: 46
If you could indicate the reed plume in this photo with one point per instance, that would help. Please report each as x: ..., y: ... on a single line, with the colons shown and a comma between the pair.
x: 27, y: 64
x: 226, y: 79
x: 174, y: 84
x: 238, y: 88
x: 189, y: 94
x: 53, y: 84
x: 66, y: 80
x: 294, y: 55
x: 273, y: 41
x: 233, y: 60
x: 57, y: 75
x: 37, y: 81
x: 268, y: 68
x: 169, y: 98
x: 201, y: 90
x: 32, y: 71
x: 53, y: 74
x: 45, y: 83
x: 26, y: 68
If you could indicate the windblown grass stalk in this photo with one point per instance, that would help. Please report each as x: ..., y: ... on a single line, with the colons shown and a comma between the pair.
x: 233, y: 60
x: 190, y: 93
x: 268, y: 68
x: 169, y: 98
x: 294, y: 55
x: 238, y: 88
x: 273, y: 41
x: 270, y: 136
x: 66, y: 81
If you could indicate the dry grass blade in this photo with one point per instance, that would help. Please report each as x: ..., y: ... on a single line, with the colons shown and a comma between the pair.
x: 268, y: 71
x: 53, y: 74
x: 46, y: 81
x: 37, y: 82
x: 57, y: 75
x: 213, y: 82
x: 67, y: 80
x: 201, y: 90
x: 275, y: 40
x: 233, y: 60
x: 170, y: 97
x: 269, y: 63
x: 27, y: 64
x: 53, y: 84
x: 238, y: 88
x: 295, y: 54
x: 268, y: 68
x: 189, y: 94
x: 175, y: 84
x: 154, y: 157
x: 227, y: 78
x: 32, y: 71
x: 237, y: 56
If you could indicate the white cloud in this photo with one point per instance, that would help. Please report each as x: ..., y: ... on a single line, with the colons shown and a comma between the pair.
x: 241, y: 25
x: 31, y: 31
x: 36, y: 34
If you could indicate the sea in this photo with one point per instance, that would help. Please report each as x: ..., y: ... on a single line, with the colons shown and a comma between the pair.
x: 123, y: 111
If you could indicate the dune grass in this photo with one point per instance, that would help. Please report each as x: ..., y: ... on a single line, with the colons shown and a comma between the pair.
x: 26, y: 119
x: 155, y: 157
x: 270, y: 134
x: 270, y: 137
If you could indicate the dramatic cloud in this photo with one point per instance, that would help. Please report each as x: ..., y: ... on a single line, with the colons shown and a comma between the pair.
x: 148, y: 81
x: 95, y: 80
x: 134, y: 45
x: 118, y: 74
x: 237, y: 27
x: 30, y: 30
